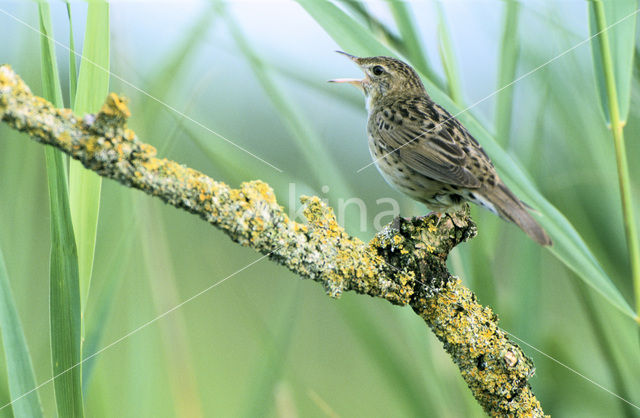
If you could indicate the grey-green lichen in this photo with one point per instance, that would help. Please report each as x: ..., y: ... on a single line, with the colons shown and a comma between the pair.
x: 405, y: 263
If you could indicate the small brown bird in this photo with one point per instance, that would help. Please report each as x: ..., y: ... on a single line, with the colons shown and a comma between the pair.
x: 425, y: 152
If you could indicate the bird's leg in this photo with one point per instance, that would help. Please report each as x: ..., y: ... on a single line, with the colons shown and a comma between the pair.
x: 446, y: 213
x: 440, y: 216
x: 456, y: 216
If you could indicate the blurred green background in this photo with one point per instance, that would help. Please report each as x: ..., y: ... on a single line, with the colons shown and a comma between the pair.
x: 264, y: 343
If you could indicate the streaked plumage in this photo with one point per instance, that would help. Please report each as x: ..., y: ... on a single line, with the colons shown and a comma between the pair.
x: 425, y: 152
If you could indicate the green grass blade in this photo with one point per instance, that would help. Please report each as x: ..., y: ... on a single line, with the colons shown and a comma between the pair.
x: 50, y: 78
x: 608, y: 68
x: 448, y: 57
x: 65, y: 302
x: 84, y: 185
x: 378, y: 28
x: 348, y: 33
x: 568, y: 246
x: 19, y: 368
x: 73, y: 71
x: 101, y: 312
x: 273, y: 363
x: 509, y: 51
x: 64, y: 305
x: 94, y: 334
x: 407, y: 43
x: 400, y: 375
x: 181, y: 57
x: 597, y: 321
x: 411, y: 40
x: 621, y: 45
x: 321, y: 164
x: 483, y: 273
x: 508, y: 59
x: 236, y: 167
x: 173, y: 328
x: 308, y: 79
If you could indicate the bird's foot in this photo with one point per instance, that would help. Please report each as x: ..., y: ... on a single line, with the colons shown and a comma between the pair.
x: 453, y: 217
x: 458, y: 220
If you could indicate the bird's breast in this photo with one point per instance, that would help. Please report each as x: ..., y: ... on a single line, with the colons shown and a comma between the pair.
x: 398, y: 174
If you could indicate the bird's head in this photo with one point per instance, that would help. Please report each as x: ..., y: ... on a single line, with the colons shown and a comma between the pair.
x: 384, y: 77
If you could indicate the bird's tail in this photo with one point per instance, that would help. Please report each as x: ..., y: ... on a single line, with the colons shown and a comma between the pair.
x: 510, y: 208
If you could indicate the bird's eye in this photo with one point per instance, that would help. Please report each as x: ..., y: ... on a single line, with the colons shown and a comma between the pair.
x: 377, y: 70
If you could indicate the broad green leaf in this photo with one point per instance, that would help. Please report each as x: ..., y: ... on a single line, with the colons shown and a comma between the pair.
x: 19, y: 368
x: 620, y: 13
x: 84, y: 185
x: 64, y: 300
x: 568, y: 246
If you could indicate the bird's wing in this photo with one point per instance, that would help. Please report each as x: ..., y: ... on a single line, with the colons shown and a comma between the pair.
x: 436, y: 151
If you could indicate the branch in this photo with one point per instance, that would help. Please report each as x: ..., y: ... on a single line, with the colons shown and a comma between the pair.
x: 405, y: 263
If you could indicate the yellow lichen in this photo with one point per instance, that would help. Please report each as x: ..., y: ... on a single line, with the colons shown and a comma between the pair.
x: 129, y: 135
x: 65, y: 137
x: 152, y: 164
x: 91, y: 144
x: 397, y: 239
x: 4, y: 80
x: 115, y: 106
x: 298, y: 227
x: 148, y: 150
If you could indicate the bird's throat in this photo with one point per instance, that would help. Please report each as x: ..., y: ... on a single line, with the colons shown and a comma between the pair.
x: 368, y: 102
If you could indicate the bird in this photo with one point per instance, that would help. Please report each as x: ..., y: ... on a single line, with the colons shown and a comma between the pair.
x: 425, y: 152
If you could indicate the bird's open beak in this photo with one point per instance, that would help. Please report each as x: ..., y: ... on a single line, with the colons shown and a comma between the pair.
x: 354, y: 81
x: 352, y: 57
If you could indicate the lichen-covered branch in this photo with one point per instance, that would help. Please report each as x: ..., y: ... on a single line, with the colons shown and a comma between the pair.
x: 404, y: 264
